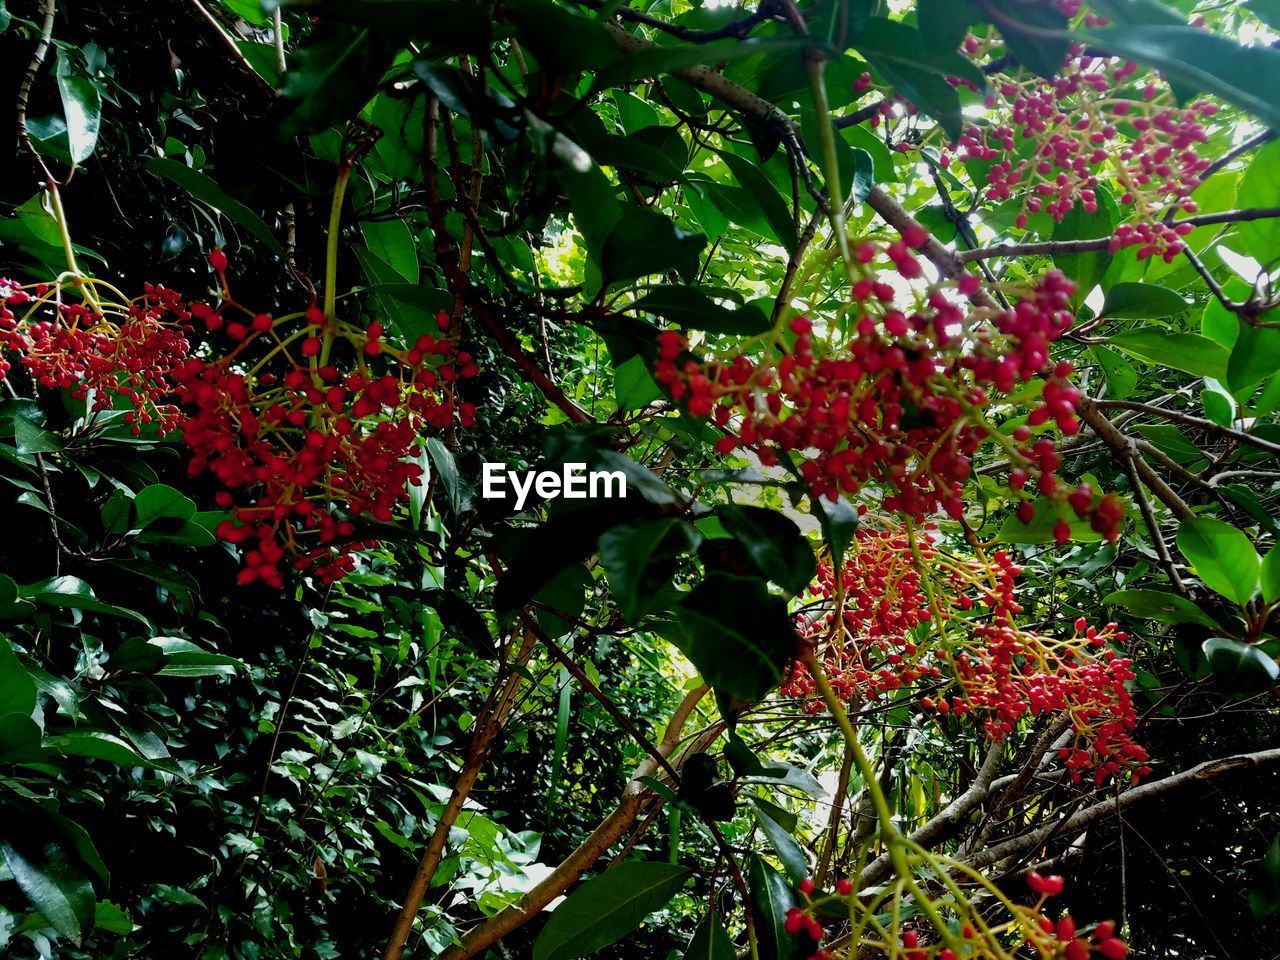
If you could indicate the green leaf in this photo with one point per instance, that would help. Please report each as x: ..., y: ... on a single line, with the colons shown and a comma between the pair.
x: 17, y: 690
x: 446, y: 467
x: 12, y: 604
x: 1035, y: 33
x: 1247, y: 76
x: 1268, y: 11
x: 608, y: 907
x: 1160, y: 606
x: 766, y: 196
x: 639, y: 559
x: 1269, y: 576
x: 29, y: 437
x: 1141, y: 301
x: 897, y: 51
x: 111, y: 918
x: 671, y: 58
x: 1188, y: 352
x: 81, y: 105
x: 1238, y: 667
x: 1217, y: 322
x: 462, y: 620
x: 1254, y: 356
x: 248, y: 10
x: 645, y: 242
x: 74, y: 594
x: 710, y: 942
x: 633, y: 385
x: 203, y: 188
x: 737, y: 634
x: 1219, y: 405
x: 20, y: 738
x: 1088, y: 268
x: 54, y: 885
x: 692, y: 309
x: 160, y: 501
x: 564, y: 41
x: 1260, y: 189
x: 568, y: 536
x: 1264, y: 898
x: 1120, y: 375
x: 943, y: 23
x: 774, y: 542
x: 392, y: 242
x: 331, y: 78
x: 98, y: 745
x: 860, y: 138
x: 789, y: 852
x: 1222, y: 556
x: 772, y: 897
x: 182, y: 658
x: 839, y: 522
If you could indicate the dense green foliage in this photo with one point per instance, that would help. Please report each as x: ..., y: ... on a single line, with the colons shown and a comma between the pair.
x: 190, y: 766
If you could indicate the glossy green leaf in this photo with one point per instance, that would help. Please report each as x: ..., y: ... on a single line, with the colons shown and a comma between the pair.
x: 766, y: 197
x: 1160, y: 606
x: 1240, y: 668
x: 1246, y: 76
x: 1222, y: 556
x: 1088, y: 268
x: 97, y: 745
x: 1045, y: 515
x: 771, y: 898
x: 53, y: 884
x: 203, y: 188
x: 160, y: 501
x: 1269, y: 576
x: 17, y: 691
x: 608, y: 907
x: 693, y: 309
x: 1259, y: 190
x: 774, y: 542
x: 639, y: 559
x: 1254, y: 356
x: 1120, y: 376
x: 789, y: 851
x: 710, y: 942
x: 392, y: 242
x: 1142, y: 301
x: 737, y: 634
x: 645, y: 242
x: 82, y: 107
x: 1188, y: 352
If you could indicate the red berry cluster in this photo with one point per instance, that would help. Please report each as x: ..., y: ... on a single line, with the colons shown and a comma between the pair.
x: 125, y: 356
x: 1061, y: 939
x: 883, y: 603
x: 870, y: 640
x: 1061, y: 134
x: 1049, y: 939
x: 899, y: 395
x: 307, y: 444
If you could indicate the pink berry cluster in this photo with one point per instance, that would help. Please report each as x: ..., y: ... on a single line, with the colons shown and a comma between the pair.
x: 1062, y: 137
x: 122, y: 358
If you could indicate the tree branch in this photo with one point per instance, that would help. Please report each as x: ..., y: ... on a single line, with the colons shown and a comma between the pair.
x: 1083, y: 818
